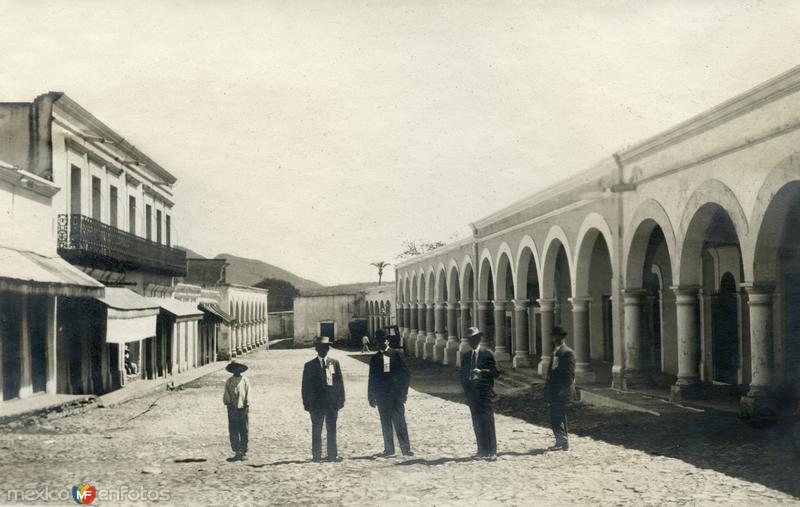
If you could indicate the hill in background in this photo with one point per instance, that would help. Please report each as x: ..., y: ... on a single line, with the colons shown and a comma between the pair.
x: 251, y: 271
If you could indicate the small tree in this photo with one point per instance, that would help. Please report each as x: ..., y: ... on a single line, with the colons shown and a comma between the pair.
x: 381, y: 265
x: 281, y: 293
x: 414, y: 248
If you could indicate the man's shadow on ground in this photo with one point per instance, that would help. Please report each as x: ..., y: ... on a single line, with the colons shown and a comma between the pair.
x: 407, y: 462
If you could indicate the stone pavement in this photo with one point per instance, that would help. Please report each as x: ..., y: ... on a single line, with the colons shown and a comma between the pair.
x: 173, y: 446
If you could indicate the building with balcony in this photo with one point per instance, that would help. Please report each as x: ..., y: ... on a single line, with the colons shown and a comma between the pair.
x: 105, y: 207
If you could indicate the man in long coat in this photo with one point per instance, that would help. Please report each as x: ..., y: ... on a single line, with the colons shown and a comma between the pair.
x: 559, y: 387
x: 478, y: 371
x: 388, y: 389
x: 323, y: 397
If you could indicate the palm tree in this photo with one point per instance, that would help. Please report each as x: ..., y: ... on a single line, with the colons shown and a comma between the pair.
x: 381, y: 265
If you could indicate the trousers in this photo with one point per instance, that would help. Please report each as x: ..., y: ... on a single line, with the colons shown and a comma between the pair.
x: 238, y: 429
x: 558, y: 421
x: 480, y: 407
x: 393, y: 420
x: 328, y: 417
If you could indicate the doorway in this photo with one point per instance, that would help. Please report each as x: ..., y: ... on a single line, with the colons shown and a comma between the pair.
x: 725, y: 336
x: 327, y: 329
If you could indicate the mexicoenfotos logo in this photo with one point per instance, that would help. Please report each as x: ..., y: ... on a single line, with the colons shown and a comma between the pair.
x: 83, y: 494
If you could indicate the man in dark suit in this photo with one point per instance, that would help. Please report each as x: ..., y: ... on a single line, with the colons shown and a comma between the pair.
x: 559, y: 386
x: 478, y: 371
x: 323, y: 397
x: 388, y: 389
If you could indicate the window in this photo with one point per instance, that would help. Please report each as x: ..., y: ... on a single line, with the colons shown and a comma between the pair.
x: 158, y: 226
x: 112, y: 206
x: 97, y: 199
x: 148, y: 221
x: 75, y: 191
x: 168, y: 227
x: 132, y: 214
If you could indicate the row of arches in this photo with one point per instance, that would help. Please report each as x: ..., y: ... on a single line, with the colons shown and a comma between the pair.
x: 249, y: 329
x: 708, y: 299
x: 379, y: 315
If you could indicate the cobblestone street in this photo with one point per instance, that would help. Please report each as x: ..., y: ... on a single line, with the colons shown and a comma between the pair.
x: 176, y: 443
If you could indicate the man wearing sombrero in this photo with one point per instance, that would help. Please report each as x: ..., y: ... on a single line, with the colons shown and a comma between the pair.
x: 237, y: 399
x: 323, y: 397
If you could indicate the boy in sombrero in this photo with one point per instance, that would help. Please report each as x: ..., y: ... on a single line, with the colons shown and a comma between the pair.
x: 237, y: 399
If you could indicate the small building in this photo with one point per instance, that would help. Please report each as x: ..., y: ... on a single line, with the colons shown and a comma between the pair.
x: 330, y: 311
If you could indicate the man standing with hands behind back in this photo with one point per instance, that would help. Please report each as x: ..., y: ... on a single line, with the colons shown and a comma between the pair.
x: 323, y: 397
x: 388, y: 389
x: 558, y: 388
x: 478, y: 371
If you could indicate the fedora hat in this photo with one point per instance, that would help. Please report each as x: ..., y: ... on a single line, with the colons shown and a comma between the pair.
x: 473, y: 331
x: 235, y: 366
x: 322, y: 340
x: 558, y: 331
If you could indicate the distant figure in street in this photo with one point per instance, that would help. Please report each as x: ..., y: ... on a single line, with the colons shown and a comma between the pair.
x: 558, y: 388
x: 478, y: 371
x: 388, y: 389
x: 237, y: 399
x: 131, y: 368
x: 323, y: 397
x: 365, y: 345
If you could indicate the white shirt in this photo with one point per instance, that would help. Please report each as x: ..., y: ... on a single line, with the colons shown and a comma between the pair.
x: 328, y: 367
x: 386, y: 361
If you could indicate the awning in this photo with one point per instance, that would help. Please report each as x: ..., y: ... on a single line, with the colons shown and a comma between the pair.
x: 179, y: 310
x: 131, y: 317
x: 31, y: 273
x: 216, y: 312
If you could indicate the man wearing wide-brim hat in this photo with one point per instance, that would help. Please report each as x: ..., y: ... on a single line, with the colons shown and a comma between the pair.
x: 323, y: 397
x: 478, y: 371
x: 559, y: 387
x: 237, y: 399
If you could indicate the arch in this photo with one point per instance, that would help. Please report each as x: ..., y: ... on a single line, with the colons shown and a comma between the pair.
x: 699, y: 212
x: 648, y: 215
x: 467, y: 268
x: 453, y: 283
x: 421, y: 286
x: 468, y: 282
x: 710, y: 218
x: 502, y: 270
x: 430, y: 280
x: 485, y: 275
x: 525, y: 252
x: 593, y: 226
x: 413, y: 289
x: 773, y: 201
x: 440, y: 287
x: 556, y: 238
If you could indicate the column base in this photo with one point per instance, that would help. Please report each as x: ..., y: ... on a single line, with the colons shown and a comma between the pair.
x: 522, y: 360
x: 438, y: 348
x: 631, y: 379
x: 759, y: 410
x: 451, y: 351
x: 617, y: 377
x: 427, y: 350
x: 419, y: 346
x: 501, y: 354
x: 544, y: 365
x: 585, y: 377
x: 682, y: 392
x: 463, y: 346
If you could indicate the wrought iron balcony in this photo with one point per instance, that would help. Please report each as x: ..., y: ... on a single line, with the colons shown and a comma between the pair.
x: 86, y: 241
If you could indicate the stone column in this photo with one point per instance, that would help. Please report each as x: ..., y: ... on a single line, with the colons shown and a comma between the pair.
x: 423, y: 330
x: 441, y: 339
x: 546, y: 308
x: 464, y: 343
x: 580, y: 329
x: 758, y: 399
x: 688, y: 378
x: 411, y: 341
x: 633, y: 373
x: 430, y: 325
x: 500, y: 346
x: 407, y: 320
x: 25, y: 361
x: 522, y: 358
x: 483, y: 307
x: 401, y: 323
x: 451, y: 348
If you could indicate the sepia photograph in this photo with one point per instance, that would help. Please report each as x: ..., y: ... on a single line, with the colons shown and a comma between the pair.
x: 395, y: 253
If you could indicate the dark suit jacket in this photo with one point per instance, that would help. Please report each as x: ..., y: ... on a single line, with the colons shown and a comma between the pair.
x: 392, y: 386
x: 485, y: 384
x: 317, y: 394
x: 560, y: 378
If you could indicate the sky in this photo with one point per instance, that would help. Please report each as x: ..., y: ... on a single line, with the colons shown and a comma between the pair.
x: 319, y: 136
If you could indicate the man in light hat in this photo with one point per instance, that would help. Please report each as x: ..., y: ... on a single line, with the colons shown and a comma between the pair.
x: 478, y: 371
x: 387, y: 389
x: 237, y: 399
x: 558, y: 388
x: 323, y: 397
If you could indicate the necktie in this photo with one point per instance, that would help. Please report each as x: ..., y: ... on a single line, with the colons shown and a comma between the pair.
x: 474, y: 359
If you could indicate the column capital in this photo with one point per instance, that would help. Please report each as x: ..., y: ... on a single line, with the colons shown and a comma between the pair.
x: 546, y: 304
x: 440, y: 305
x: 465, y: 304
x: 580, y: 304
x: 421, y: 306
x: 521, y: 305
x: 631, y: 296
x: 483, y: 304
x: 758, y: 289
x: 499, y: 305
x: 685, y: 294
x: 453, y: 305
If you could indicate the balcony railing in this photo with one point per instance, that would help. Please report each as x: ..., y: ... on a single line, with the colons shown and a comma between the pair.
x: 85, y: 240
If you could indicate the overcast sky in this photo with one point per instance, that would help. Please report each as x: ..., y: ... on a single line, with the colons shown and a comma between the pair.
x: 320, y: 135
